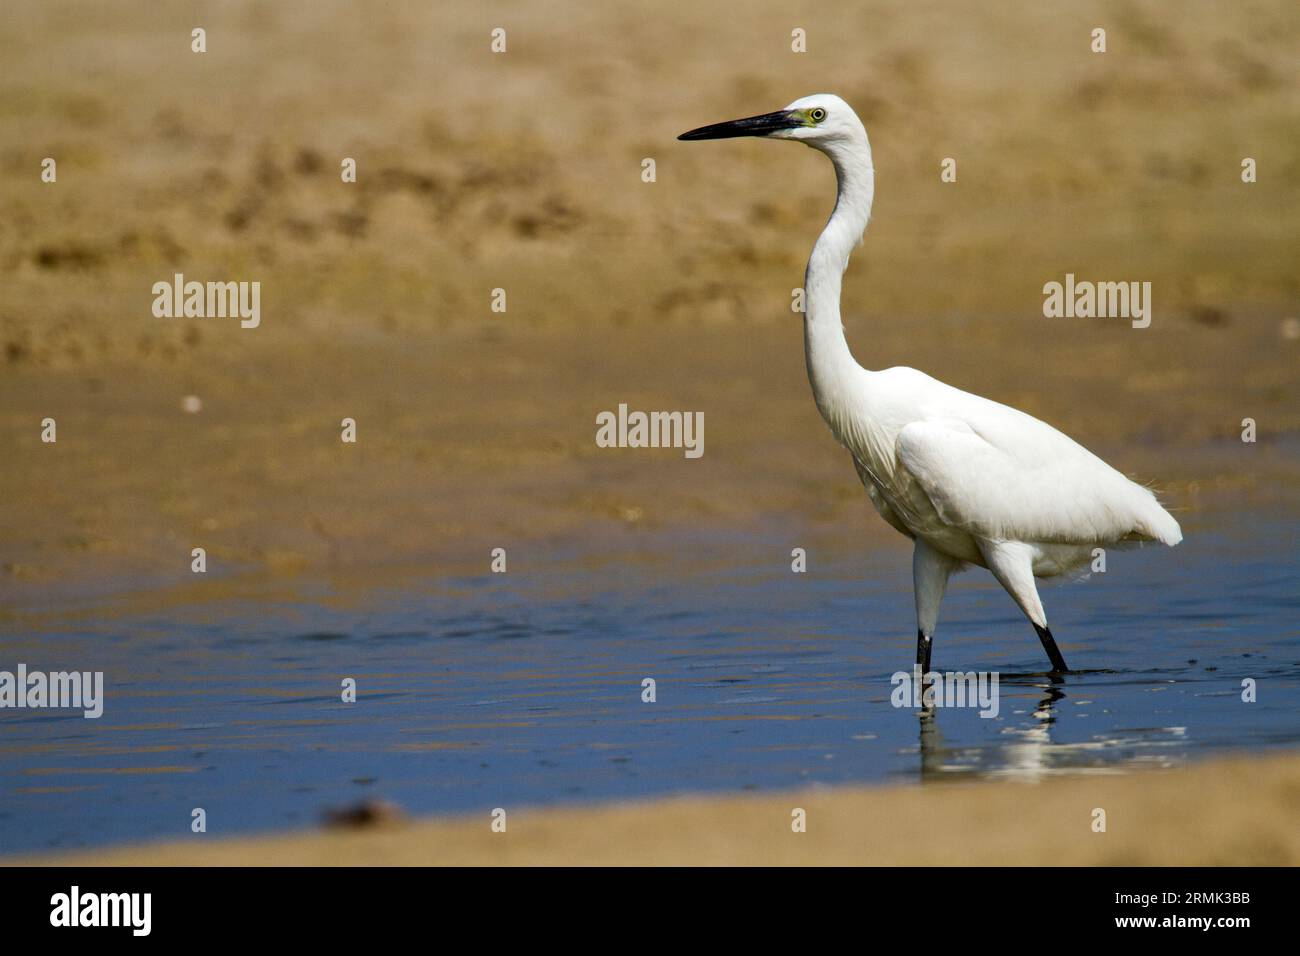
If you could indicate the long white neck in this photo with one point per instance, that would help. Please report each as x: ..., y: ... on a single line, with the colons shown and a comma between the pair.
x: 831, y: 367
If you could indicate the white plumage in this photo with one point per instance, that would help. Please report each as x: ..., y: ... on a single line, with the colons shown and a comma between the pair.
x: 969, y: 480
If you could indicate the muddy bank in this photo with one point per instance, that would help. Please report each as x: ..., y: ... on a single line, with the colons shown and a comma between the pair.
x: 1232, y: 813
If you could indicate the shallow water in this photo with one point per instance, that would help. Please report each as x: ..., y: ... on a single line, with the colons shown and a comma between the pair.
x: 524, y: 689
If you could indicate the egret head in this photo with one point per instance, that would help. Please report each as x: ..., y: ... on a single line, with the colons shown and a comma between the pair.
x: 820, y: 120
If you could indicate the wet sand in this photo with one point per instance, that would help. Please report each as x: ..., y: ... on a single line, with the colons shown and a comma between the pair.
x: 487, y: 440
x: 1229, y: 813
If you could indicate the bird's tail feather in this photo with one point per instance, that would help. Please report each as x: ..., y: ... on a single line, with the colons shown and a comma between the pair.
x: 1159, y: 524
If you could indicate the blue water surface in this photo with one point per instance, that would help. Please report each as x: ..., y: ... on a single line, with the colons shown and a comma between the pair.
x: 525, y: 689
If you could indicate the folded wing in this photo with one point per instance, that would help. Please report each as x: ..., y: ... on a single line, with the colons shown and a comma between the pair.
x: 1010, y: 477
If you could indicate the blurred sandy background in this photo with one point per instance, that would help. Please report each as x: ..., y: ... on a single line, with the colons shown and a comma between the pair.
x: 522, y: 171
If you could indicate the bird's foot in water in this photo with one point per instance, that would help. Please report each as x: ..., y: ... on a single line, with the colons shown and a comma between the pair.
x: 1053, y: 652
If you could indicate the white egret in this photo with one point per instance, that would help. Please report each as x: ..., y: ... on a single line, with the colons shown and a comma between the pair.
x: 969, y: 480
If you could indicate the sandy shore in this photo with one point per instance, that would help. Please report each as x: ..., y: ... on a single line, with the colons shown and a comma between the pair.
x: 1236, y: 812
x: 488, y: 440
x: 476, y: 428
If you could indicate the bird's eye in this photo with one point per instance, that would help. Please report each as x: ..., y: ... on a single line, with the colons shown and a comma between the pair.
x: 817, y: 115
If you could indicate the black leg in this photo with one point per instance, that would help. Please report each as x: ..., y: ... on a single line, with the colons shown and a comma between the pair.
x: 924, y: 644
x: 1053, y: 652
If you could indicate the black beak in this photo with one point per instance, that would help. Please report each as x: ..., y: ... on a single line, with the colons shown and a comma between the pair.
x: 750, y: 126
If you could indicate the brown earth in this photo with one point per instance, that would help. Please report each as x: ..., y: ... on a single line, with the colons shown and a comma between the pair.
x: 522, y: 171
